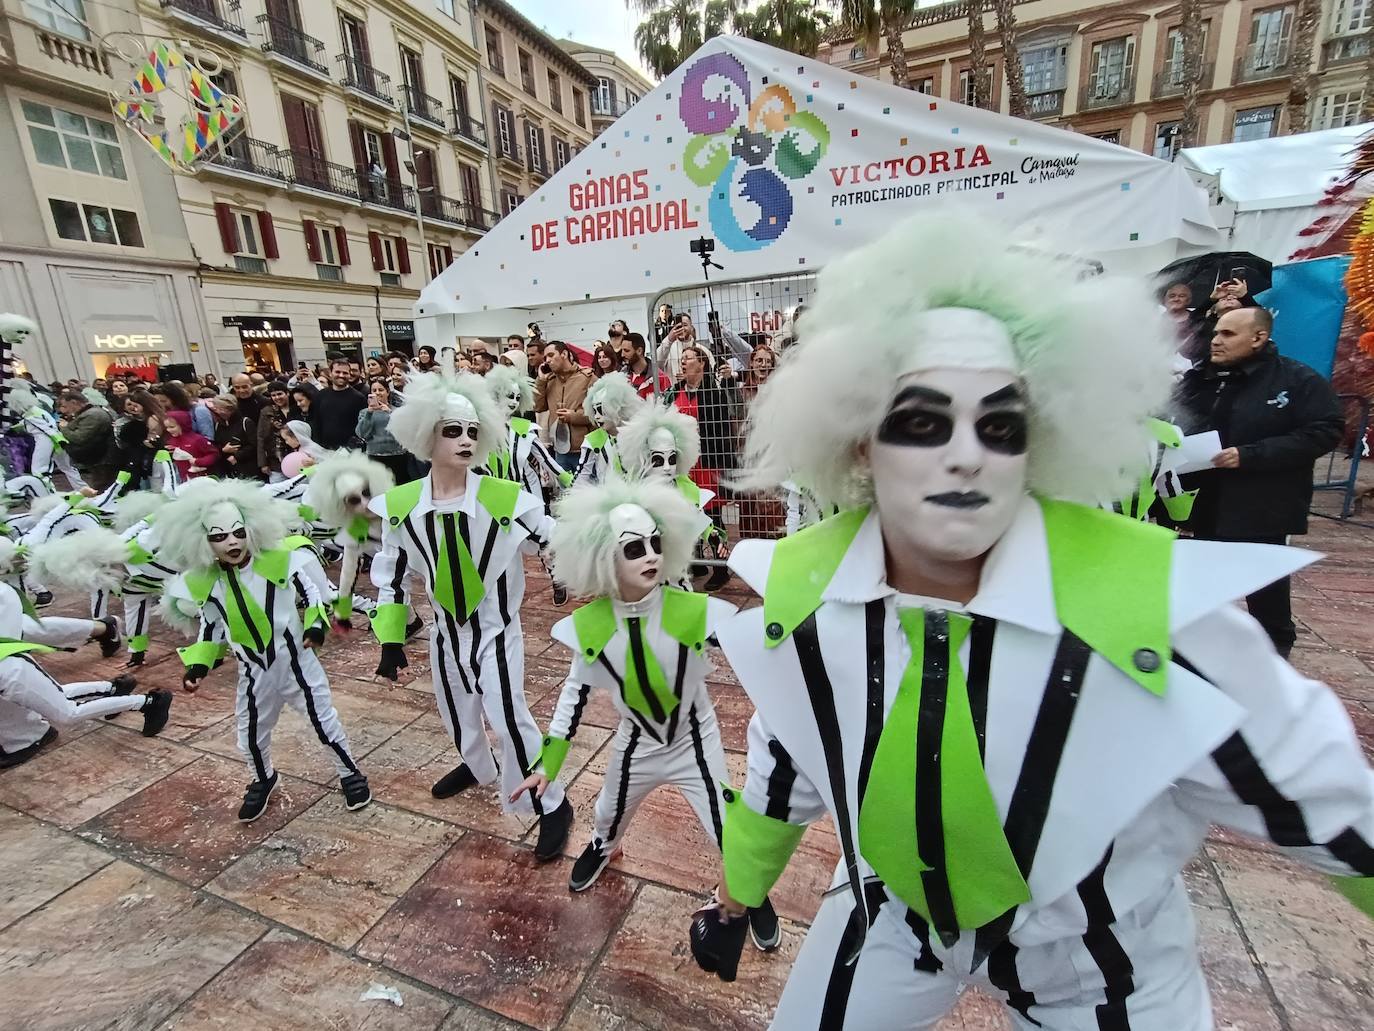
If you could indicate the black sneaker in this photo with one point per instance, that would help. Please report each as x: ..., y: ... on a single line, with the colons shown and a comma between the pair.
x: 720, y: 576
x: 255, y: 798
x: 355, y: 791
x: 155, y: 711
x: 452, y: 782
x: 414, y: 627
x: 42, y: 599
x: 123, y: 685
x: 588, y: 868
x: 113, y: 639
x: 764, y: 927
x: 553, y: 832
x: 560, y: 594
x: 23, y: 755
x: 135, y: 659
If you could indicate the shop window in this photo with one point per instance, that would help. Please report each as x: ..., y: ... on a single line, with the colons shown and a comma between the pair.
x: 64, y: 139
x: 1257, y: 123
x: 95, y: 223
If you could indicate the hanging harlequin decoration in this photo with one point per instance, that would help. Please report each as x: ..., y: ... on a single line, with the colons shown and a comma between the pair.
x: 165, y: 69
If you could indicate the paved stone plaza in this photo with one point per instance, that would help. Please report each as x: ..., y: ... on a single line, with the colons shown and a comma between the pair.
x: 132, y: 899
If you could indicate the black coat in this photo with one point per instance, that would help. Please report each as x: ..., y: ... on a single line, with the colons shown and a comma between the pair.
x: 718, y: 408
x: 1281, y: 416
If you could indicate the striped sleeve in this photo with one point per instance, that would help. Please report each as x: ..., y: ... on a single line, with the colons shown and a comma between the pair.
x: 773, y: 786
x: 1293, y: 772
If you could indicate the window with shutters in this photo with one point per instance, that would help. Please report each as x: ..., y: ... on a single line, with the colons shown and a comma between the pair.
x: 389, y: 269
x: 496, y: 58
x: 248, y: 236
x: 472, y: 185
x: 510, y: 200
x: 560, y: 153
x: 580, y: 108
x: 555, y: 92
x: 505, y: 130
x: 95, y: 223
x: 440, y: 258
x: 305, y: 141
x: 526, y: 72
x: 322, y: 247
x: 534, y: 141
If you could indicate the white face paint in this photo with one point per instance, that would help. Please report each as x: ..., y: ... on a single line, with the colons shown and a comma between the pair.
x: 600, y: 418
x: 512, y: 403
x: 226, y: 534
x: 455, y: 437
x: 662, y: 454
x: 638, y: 554
x: 949, y: 461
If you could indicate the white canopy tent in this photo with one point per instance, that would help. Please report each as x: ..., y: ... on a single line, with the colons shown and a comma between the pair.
x: 1274, y: 185
x: 785, y: 162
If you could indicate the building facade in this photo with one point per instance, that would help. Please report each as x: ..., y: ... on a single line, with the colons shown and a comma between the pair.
x: 618, y: 84
x: 537, y: 100
x: 92, y: 244
x: 1115, y: 70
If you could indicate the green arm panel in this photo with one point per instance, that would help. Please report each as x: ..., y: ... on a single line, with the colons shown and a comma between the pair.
x: 389, y: 624
x: 1359, y: 890
x: 316, y: 615
x: 343, y: 607
x: 138, y: 643
x: 1180, y: 508
x: 202, y: 653
x: 755, y: 849
x: 552, y: 756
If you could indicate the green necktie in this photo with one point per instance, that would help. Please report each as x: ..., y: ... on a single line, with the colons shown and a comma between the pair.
x: 646, y: 689
x: 248, y: 623
x: 928, y: 824
x: 453, y: 551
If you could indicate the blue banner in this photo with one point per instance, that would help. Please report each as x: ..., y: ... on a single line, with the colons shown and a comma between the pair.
x: 1308, y: 302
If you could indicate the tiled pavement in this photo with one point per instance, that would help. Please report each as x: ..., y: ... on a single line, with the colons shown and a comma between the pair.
x: 130, y: 898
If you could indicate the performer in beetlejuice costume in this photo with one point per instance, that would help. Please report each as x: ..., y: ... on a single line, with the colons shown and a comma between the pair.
x: 339, y: 490
x: 25, y: 687
x: 610, y: 403
x: 659, y: 442
x: 465, y: 535
x: 245, y: 578
x: 1023, y: 714
x: 621, y: 543
x: 39, y: 422
x: 522, y: 458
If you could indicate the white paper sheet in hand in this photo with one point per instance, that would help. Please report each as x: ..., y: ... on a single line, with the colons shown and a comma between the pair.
x: 1195, y: 453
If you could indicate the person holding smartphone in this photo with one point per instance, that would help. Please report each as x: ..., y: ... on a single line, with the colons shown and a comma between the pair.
x: 236, y: 436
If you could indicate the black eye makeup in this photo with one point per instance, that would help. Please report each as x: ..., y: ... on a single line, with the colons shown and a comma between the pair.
x: 639, y: 547
x: 241, y: 534
x: 658, y: 461
x: 916, y: 426
x: 454, y: 431
x: 1004, y: 432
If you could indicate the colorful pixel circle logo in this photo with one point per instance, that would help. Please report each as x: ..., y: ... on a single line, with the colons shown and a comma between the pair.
x: 747, y: 147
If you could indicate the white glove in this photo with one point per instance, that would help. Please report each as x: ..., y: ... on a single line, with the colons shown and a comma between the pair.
x: 180, y: 455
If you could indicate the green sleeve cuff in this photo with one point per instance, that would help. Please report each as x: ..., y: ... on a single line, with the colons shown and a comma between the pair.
x: 1181, y: 507
x: 1359, y: 890
x: 755, y: 849
x: 202, y: 653
x: 138, y: 643
x: 343, y: 607
x: 316, y: 615
x: 565, y: 478
x: 552, y: 755
x: 221, y: 650
x: 124, y: 476
x: 389, y: 623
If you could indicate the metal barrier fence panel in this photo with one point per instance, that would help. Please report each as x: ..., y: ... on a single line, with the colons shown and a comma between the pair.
x: 718, y: 346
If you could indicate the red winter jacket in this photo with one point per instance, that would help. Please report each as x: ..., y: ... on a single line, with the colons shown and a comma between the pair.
x: 203, y: 454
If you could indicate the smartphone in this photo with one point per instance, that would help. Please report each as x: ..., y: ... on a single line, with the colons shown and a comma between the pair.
x: 1240, y: 272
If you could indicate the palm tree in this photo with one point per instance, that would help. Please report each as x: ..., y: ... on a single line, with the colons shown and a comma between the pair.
x: 673, y: 29
x: 1192, y: 73
x: 981, y: 93
x: 1011, y: 57
x: 1300, y: 63
x: 871, y: 20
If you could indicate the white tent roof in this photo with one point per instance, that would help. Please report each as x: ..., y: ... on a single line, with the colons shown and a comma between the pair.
x: 1280, y: 172
x: 785, y: 162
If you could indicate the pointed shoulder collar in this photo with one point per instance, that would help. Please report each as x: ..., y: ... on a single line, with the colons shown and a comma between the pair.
x: 274, y: 565
x: 594, y: 625
x: 596, y: 439
x: 399, y: 501
x: 684, y: 618
x: 802, y: 569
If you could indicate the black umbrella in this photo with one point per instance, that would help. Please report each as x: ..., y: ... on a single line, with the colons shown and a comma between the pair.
x: 1203, y: 272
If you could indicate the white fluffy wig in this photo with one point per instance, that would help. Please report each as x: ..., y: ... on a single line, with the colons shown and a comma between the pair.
x: 632, y: 443
x: 90, y: 560
x: 618, y: 399
x: 584, y: 546
x: 42, y: 506
x: 1093, y: 354
x: 503, y: 380
x: 19, y: 399
x: 135, y: 507
x: 177, y: 609
x: 12, y: 556
x: 341, y: 474
x: 422, y: 410
x: 181, y: 522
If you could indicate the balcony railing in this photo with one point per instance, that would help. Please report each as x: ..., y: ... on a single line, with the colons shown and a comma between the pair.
x: 422, y: 106
x: 286, y: 40
x: 469, y: 128
x: 376, y: 188
x: 361, y: 77
x: 1111, y: 90
x: 508, y: 151
x: 1267, y: 59
x: 608, y: 107
x: 1345, y: 48
x: 454, y: 211
x: 1049, y: 103
x: 1170, y: 81
x: 318, y: 174
x: 254, y: 157
x: 222, y: 16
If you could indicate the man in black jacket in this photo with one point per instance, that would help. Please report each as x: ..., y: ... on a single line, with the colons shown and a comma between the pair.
x: 1276, y: 417
x: 338, y: 407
